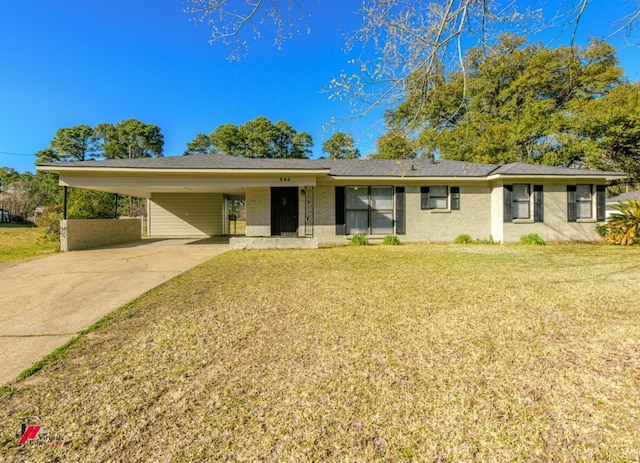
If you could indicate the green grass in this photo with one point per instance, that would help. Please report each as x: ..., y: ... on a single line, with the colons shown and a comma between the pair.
x: 23, y: 242
x: 398, y: 353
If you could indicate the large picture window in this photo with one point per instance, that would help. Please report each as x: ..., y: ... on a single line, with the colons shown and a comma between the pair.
x: 369, y: 210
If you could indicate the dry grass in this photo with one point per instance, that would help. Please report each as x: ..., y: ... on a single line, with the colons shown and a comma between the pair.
x: 405, y: 353
x: 23, y: 242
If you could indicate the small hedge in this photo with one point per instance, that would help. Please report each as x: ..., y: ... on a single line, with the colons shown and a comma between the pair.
x: 463, y: 239
x: 532, y: 239
x: 359, y: 240
x: 391, y: 240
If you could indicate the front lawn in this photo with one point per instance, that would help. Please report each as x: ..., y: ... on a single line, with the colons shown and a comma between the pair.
x: 23, y: 242
x: 400, y: 353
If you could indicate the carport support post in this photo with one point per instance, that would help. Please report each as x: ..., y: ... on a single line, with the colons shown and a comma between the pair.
x: 64, y: 203
x: 115, y: 214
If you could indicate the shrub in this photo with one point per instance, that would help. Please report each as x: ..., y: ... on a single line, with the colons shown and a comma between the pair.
x: 623, y: 226
x: 359, y: 240
x: 391, y: 240
x: 532, y: 239
x: 463, y: 239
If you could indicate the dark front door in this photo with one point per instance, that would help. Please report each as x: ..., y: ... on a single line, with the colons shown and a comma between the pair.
x: 284, y: 211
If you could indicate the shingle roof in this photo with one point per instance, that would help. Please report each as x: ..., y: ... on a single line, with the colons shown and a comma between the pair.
x: 518, y: 168
x: 417, y: 168
x: 635, y: 195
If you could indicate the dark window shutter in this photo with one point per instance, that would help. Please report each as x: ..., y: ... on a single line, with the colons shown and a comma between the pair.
x: 340, y: 228
x: 508, y: 214
x: 455, y: 198
x: 400, y: 214
x: 424, y: 197
x: 538, y: 203
x: 601, y: 199
x: 572, y: 207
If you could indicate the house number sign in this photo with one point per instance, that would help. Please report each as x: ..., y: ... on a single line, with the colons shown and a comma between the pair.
x: 285, y: 179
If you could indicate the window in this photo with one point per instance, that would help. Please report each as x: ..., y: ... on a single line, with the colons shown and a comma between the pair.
x: 369, y: 210
x: 583, y: 200
x: 521, y: 197
x: 519, y: 202
x: 440, y: 197
x: 580, y: 202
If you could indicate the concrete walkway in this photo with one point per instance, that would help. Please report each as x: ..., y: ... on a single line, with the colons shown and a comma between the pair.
x: 45, y: 302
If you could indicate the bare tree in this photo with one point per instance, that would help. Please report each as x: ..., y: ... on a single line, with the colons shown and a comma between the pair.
x: 400, y: 42
x: 232, y: 21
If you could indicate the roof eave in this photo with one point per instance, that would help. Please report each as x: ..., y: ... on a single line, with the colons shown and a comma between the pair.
x: 139, y: 170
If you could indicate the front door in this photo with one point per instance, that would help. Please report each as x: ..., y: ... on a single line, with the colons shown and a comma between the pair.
x: 284, y: 211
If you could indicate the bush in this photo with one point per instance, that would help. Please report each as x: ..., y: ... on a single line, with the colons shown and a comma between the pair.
x: 463, y: 239
x: 533, y: 239
x: 359, y: 240
x: 391, y: 240
x: 623, y: 227
x: 49, y: 221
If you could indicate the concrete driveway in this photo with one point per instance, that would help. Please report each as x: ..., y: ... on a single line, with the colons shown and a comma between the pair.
x: 45, y: 302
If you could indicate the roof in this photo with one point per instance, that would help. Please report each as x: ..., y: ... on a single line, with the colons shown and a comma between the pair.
x: 634, y: 195
x: 417, y: 168
x: 519, y: 168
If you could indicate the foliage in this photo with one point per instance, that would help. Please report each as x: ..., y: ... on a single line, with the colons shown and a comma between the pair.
x: 532, y: 239
x: 463, y: 239
x: 258, y: 138
x: 359, y: 240
x: 514, y: 104
x: 391, y: 240
x: 129, y: 139
x: 395, y: 145
x: 77, y: 143
x: 49, y: 222
x: 22, y: 194
x: 623, y: 227
x: 605, y: 132
x: 340, y: 146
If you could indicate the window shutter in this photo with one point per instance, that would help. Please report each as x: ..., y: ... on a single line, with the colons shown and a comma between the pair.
x: 508, y: 214
x: 340, y: 228
x: 424, y: 197
x: 538, y: 203
x: 400, y: 215
x: 455, y: 198
x: 601, y: 199
x: 572, y: 207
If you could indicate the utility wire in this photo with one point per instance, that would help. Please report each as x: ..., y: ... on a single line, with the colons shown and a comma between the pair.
x: 15, y: 154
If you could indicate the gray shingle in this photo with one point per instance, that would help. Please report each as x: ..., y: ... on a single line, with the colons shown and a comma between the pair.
x: 409, y: 168
x: 518, y: 168
x: 341, y: 167
x: 634, y: 195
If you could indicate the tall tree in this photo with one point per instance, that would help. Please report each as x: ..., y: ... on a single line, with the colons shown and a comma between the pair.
x: 258, y: 138
x: 340, y: 146
x: 76, y: 143
x: 395, y: 145
x: 517, y: 105
x: 130, y: 138
x: 199, y: 145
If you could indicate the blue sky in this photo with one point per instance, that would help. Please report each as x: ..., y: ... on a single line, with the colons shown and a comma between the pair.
x: 71, y: 62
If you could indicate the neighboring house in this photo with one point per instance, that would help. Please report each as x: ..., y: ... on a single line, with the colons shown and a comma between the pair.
x: 621, y: 198
x: 321, y: 201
